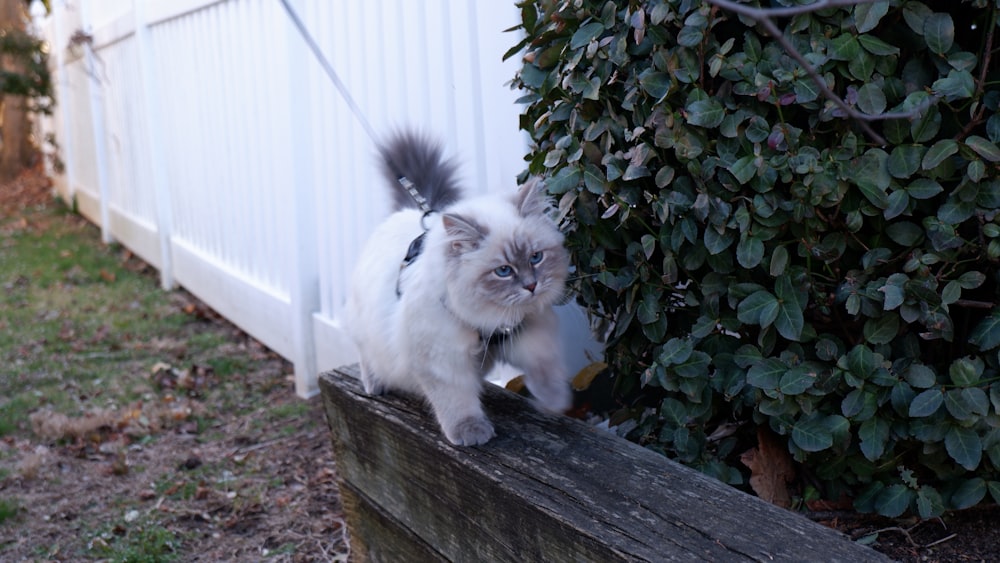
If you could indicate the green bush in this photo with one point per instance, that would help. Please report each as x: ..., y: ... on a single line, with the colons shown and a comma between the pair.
x: 764, y: 259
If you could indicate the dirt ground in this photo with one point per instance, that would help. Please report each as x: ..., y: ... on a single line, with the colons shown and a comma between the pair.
x: 252, y: 486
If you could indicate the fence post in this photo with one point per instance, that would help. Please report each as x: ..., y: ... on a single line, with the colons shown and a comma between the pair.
x: 152, y: 107
x: 63, y: 133
x: 304, y: 291
x: 97, y: 117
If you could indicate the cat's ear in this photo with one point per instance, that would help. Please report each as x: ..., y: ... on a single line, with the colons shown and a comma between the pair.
x: 531, y: 199
x: 464, y: 234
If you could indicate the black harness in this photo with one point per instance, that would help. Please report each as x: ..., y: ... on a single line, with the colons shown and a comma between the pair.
x: 416, y: 247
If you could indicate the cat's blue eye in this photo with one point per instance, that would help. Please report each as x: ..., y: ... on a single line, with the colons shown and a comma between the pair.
x: 504, y: 271
x: 536, y: 257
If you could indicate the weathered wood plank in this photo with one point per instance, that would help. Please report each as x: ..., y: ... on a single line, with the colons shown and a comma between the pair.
x: 545, y: 489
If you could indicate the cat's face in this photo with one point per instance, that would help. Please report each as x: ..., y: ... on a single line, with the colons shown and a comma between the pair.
x: 526, y: 269
x: 507, y: 260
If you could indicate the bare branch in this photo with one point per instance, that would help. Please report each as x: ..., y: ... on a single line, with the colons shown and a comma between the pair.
x: 763, y: 17
x: 981, y: 82
x: 755, y: 12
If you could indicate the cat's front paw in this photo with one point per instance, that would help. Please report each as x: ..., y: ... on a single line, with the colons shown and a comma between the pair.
x: 551, y: 395
x: 470, y: 431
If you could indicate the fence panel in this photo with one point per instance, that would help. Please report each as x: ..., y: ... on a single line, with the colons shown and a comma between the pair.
x: 235, y: 166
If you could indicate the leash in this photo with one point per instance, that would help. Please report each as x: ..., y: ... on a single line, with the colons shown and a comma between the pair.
x: 332, y: 74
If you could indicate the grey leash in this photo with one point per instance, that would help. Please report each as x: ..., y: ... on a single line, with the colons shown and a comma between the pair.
x: 332, y: 74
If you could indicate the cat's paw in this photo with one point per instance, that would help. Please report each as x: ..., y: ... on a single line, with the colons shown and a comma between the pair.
x: 373, y: 386
x: 470, y: 431
x: 551, y: 395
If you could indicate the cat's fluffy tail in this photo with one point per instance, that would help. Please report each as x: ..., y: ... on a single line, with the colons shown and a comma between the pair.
x: 421, y: 161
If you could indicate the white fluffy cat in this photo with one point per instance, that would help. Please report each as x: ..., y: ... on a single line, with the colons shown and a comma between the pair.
x: 480, y: 290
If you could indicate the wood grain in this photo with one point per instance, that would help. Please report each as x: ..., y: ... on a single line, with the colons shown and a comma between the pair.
x: 547, y: 488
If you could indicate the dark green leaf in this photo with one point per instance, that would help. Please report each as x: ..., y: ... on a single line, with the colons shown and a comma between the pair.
x: 983, y: 148
x: 929, y: 502
x: 565, y: 180
x: 957, y: 405
x: 965, y: 372
x: 694, y: 366
x: 939, y: 32
x: 958, y: 85
x: 796, y: 380
x: 862, y: 362
x: 635, y: 171
x: 586, y: 34
x: 757, y: 307
x: 844, y: 47
x: 656, y: 84
x: 964, y: 446
x: 874, y: 434
x: 924, y: 188
x: 874, y: 194
x: 674, y: 412
x: 986, y: 335
x: 904, y: 233
x: 705, y: 113
x: 675, y: 351
x: 883, y: 329
x: 812, y: 435
x: 894, y: 501
x: 871, y: 99
x: 749, y: 252
x: 926, y: 403
x: 969, y: 493
x: 779, y: 261
x: 867, y: 16
x: 971, y: 280
x: 766, y: 374
x: 904, y: 160
x: 937, y: 153
x: 649, y: 309
x: 790, y: 320
x: 716, y: 242
x: 920, y: 376
x: 594, y: 179
x: 876, y: 46
x: 994, y: 489
x: 744, y: 168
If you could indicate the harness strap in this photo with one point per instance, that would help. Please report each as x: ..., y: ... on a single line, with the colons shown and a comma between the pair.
x: 416, y: 247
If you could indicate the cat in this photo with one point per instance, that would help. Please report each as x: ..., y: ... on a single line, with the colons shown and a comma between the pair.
x: 438, y: 298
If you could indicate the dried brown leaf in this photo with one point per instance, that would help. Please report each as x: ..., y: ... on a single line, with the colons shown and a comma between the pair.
x: 771, y: 468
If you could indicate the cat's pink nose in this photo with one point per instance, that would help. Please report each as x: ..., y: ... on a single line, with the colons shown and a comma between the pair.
x: 531, y: 286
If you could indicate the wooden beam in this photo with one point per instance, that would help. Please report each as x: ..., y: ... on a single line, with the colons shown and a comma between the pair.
x: 546, y: 488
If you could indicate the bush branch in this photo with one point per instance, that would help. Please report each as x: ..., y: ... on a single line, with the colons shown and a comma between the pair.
x: 763, y: 17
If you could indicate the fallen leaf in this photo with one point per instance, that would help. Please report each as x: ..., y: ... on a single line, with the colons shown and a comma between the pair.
x: 586, y: 376
x: 107, y: 276
x: 771, y: 468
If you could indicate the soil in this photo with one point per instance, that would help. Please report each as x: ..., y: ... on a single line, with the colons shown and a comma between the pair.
x: 281, y: 501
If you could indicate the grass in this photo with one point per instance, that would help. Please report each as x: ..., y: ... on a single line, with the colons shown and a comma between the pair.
x: 8, y: 510
x: 70, y: 309
x: 109, y: 386
x: 141, y: 541
x: 81, y: 320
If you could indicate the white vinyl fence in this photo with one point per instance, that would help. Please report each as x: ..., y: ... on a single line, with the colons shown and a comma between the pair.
x: 204, y: 136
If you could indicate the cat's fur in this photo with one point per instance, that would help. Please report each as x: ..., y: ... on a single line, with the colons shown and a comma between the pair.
x: 488, y: 263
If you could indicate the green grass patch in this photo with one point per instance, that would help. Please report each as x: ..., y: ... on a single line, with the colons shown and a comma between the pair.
x: 8, y: 510
x: 138, y: 541
x: 290, y: 410
x: 82, y: 324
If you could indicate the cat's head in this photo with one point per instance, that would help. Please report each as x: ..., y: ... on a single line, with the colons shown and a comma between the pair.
x: 505, y: 256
